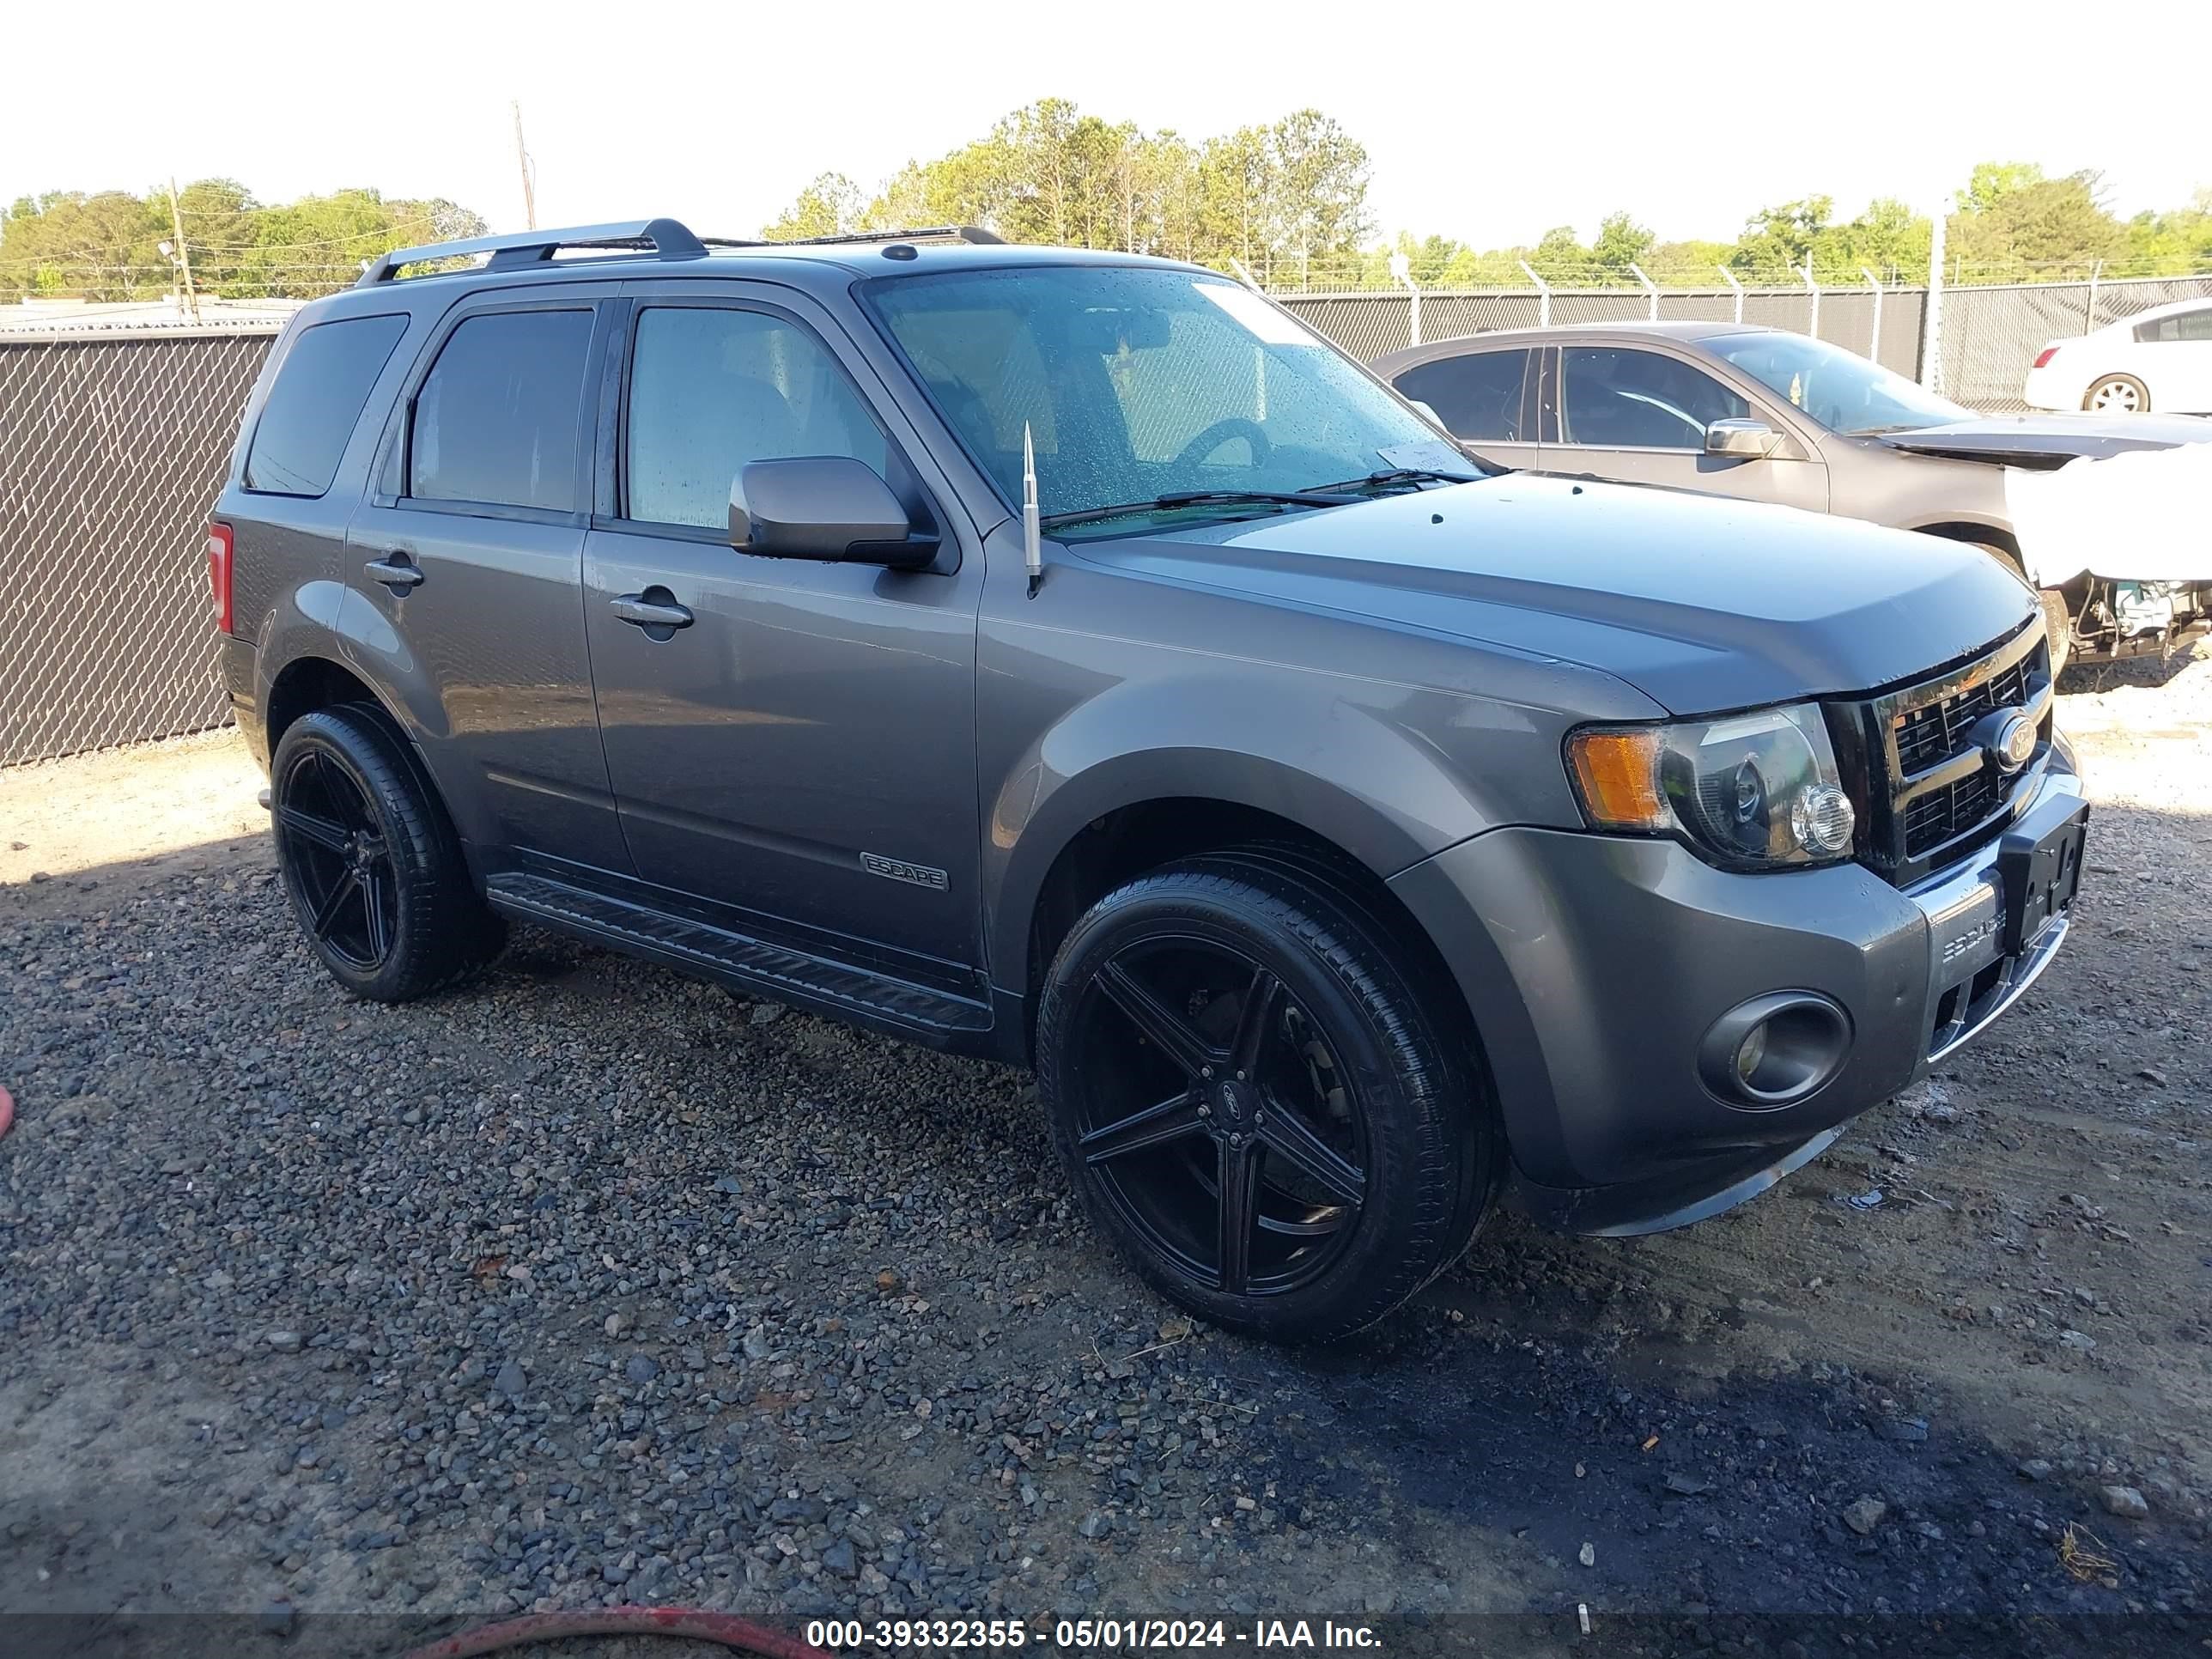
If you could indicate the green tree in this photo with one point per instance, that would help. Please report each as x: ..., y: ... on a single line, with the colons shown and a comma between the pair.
x: 1621, y: 242
x: 1992, y: 181
x: 1559, y: 257
x: 101, y: 246
x: 2035, y: 226
x: 1778, y: 240
x: 831, y: 205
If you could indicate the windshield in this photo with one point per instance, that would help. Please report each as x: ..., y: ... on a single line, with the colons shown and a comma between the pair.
x: 1839, y: 389
x: 1138, y: 383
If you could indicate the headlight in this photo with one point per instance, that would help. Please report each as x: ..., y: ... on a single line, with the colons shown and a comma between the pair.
x: 1754, y: 791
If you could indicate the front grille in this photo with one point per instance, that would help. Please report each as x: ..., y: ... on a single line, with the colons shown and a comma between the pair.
x: 1938, y: 815
x: 1933, y: 732
x: 1934, y: 795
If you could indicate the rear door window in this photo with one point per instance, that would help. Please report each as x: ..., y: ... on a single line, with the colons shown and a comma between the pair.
x: 1477, y: 395
x: 1615, y: 399
x: 496, y: 420
x: 321, y: 387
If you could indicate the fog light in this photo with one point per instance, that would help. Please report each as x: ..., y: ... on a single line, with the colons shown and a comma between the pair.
x: 1751, y: 1052
x: 1821, y: 818
x: 1774, y: 1050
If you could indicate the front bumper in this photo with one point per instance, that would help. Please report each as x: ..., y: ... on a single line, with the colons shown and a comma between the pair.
x: 1595, y: 966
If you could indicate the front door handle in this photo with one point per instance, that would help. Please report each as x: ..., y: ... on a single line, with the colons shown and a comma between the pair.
x: 649, y: 612
x: 395, y: 571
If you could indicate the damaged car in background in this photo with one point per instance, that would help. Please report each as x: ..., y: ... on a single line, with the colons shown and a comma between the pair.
x: 2091, y: 511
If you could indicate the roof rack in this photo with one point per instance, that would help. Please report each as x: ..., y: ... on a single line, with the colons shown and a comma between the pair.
x: 665, y: 239
x: 975, y: 233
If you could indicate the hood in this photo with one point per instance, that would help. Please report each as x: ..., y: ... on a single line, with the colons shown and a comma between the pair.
x: 2048, y: 440
x: 1701, y: 603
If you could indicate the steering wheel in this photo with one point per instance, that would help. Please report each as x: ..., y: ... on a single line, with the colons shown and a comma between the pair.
x: 1234, y: 426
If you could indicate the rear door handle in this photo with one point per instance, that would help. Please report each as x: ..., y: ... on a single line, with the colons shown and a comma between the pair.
x: 395, y: 571
x: 647, y: 612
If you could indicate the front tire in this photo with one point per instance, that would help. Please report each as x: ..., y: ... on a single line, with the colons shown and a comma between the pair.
x: 2059, y: 625
x: 1254, y: 1100
x: 2118, y: 394
x: 370, y: 862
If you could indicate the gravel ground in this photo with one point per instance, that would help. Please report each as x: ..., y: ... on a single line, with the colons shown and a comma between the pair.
x: 585, y: 1285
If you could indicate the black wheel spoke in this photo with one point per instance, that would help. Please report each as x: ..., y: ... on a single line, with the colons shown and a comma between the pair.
x: 1252, y: 1019
x: 326, y: 914
x: 1171, y: 1035
x: 313, y: 827
x: 1289, y: 1137
x: 1170, y: 1119
x: 1239, y: 1167
x: 376, y: 917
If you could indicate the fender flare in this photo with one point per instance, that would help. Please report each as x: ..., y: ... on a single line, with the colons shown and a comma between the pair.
x: 1321, y: 760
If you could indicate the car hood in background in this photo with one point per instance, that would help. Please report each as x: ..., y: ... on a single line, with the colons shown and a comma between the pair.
x: 2048, y: 440
x: 1701, y: 603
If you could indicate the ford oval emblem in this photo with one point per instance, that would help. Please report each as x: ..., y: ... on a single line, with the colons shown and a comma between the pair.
x: 2014, y: 744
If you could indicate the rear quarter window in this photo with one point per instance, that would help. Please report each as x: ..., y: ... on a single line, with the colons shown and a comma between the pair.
x: 321, y: 387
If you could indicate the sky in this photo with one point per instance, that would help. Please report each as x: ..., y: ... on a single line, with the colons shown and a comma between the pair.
x: 1482, y: 122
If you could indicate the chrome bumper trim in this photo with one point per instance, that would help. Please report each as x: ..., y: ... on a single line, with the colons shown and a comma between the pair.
x: 1965, y: 909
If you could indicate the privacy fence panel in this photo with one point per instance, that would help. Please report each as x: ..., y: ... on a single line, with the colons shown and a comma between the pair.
x: 111, y: 450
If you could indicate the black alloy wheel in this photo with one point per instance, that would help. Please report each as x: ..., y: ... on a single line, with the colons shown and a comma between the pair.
x: 1247, y: 1169
x: 1255, y: 1103
x: 332, y: 839
x: 373, y: 867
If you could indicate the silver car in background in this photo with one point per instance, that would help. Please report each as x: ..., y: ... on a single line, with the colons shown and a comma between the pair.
x: 1769, y: 416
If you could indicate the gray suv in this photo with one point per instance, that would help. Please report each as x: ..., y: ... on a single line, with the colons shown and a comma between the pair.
x: 1069, y: 659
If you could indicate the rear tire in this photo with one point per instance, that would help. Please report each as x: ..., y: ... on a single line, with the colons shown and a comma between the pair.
x: 1257, y: 1103
x: 2118, y: 394
x: 370, y: 862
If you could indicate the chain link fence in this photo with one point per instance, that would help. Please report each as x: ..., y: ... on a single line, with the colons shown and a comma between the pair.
x: 111, y: 450
x: 1991, y: 335
x: 1368, y: 322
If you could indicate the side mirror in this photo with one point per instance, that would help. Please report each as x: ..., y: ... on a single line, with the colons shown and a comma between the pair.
x: 1741, y: 440
x: 832, y: 508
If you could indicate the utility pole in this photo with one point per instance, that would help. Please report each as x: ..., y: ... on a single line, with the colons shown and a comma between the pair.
x: 1931, y: 325
x: 529, y: 173
x: 184, y: 251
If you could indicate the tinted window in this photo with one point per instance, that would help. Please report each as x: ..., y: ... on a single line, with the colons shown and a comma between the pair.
x: 2188, y: 325
x: 1477, y: 396
x: 1619, y: 400
x: 711, y: 390
x: 495, y: 422
x: 319, y: 391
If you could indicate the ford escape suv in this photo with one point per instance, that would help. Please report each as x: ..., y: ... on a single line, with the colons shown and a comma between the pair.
x: 1070, y: 659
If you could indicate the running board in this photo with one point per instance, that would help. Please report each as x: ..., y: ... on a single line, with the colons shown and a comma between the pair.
x: 805, y: 980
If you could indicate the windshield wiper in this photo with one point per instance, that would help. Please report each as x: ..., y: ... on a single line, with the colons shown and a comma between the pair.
x: 1183, y: 498
x: 1403, y: 475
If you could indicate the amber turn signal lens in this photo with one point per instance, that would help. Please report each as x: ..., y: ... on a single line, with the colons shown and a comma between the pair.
x: 1619, y: 774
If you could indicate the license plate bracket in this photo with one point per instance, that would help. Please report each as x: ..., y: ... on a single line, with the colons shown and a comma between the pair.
x: 2039, y: 863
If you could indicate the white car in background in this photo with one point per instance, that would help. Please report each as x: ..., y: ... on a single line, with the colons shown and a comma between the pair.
x: 2160, y: 359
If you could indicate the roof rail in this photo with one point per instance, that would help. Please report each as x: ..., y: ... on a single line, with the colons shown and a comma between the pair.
x: 975, y: 233
x: 665, y: 238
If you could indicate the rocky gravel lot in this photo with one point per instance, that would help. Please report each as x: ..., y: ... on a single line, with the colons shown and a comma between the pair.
x: 585, y: 1284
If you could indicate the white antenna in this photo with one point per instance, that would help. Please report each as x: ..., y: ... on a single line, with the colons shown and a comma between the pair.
x: 1033, y: 548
